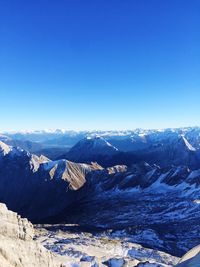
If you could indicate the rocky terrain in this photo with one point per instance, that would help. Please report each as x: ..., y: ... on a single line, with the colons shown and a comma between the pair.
x: 155, y: 207
x: 191, y: 258
x: 89, y: 206
x: 92, y: 149
x: 36, y: 187
x: 17, y: 247
x: 99, y: 248
x: 59, y: 245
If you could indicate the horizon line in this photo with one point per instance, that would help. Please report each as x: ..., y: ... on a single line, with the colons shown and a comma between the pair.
x: 62, y: 130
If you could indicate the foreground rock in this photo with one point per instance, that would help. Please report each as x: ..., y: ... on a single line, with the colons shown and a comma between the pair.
x: 191, y: 259
x: 89, y: 248
x: 66, y: 246
x: 17, y: 247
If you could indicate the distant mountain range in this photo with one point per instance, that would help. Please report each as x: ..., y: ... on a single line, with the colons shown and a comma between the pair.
x: 167, y: 148
x: 131, y: 140
x: 179, y: 146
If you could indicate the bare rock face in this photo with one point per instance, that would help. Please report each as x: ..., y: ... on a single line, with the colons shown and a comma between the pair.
x: 72, y: 173
x: 117, y: 168
x: 191, y: 258
x: 17, y: 247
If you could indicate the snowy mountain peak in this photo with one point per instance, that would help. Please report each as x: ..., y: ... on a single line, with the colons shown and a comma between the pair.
x: 98, y: 141
x: 90, y: 148
x: 96, y: 144
x: 187, y: 144
x: 4, y: 149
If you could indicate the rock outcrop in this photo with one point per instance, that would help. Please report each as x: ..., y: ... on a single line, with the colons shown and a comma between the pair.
x: 17, y: 247
x: 191, y: 258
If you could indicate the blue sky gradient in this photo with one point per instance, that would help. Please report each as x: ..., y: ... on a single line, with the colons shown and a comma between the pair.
x: 99, y: 64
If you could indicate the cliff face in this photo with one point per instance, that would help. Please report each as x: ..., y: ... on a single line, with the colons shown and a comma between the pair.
x: 191, y: 258
x: 17, y: 247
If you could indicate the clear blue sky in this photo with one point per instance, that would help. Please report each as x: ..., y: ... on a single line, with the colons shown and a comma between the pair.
x: 99, y: 64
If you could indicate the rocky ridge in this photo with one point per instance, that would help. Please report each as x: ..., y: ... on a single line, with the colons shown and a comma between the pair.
x: 23, y: 246
x: 17, y: 247
x: 142, y: 203
x: 191, y: 258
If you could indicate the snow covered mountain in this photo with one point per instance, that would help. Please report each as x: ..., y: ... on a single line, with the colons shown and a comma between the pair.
x: 91, y: 149
x: 163, y: 147
x: 156, y: 207
x: 133, y: 138
x: 33, y: 186
x: 171, y: 150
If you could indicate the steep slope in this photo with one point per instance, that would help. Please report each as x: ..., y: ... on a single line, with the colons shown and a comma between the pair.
x: 91, y: 149
x: 143, y: 202
x: 191, y: 258
x: 37, y: 187
x: 4, y: 149
x: 74, y: 174
x: 17, y: 248
x: 129, y: 142
x: 167, y: 148
x: 175, y: 151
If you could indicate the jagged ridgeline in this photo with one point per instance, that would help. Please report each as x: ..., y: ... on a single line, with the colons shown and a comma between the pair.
x: 162, y: 147
x: 142, y: 198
